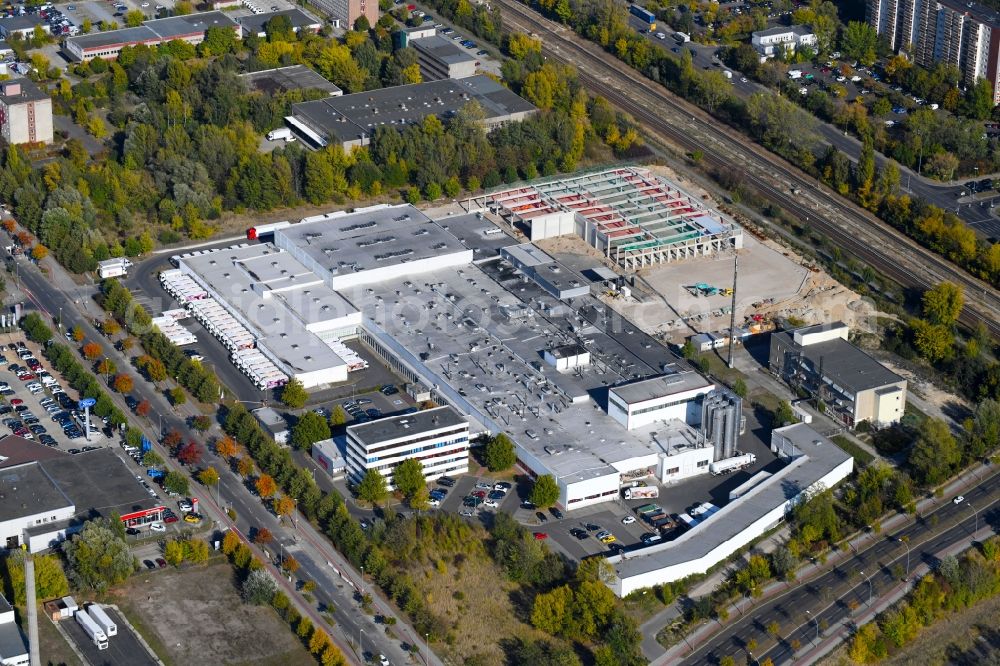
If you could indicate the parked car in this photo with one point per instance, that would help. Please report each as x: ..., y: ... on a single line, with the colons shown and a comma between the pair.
x: 157, y: 527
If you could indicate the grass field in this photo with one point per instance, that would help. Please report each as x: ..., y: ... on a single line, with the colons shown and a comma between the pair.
x: 195, y: 616
x: 861, y: 456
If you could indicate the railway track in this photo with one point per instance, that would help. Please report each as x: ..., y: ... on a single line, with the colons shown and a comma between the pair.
x: 850, y: 227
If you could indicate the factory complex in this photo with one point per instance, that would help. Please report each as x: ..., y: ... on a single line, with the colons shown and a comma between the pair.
x: 504, y: 338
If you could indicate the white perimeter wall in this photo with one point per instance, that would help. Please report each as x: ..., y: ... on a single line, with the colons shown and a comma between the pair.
x: 552, y: 225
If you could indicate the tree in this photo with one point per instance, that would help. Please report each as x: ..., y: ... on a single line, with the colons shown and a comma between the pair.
x: 201, y: 423
x: 294, y: 395
x: 151, y: 459
x: 373, y: 487
x: 77, y: 334
x: 39, y: 252
x: 98, y: 556
x: 123, y: 383
x: 176, y: 482
x: 783, y: 414
x: 263, y: 536
x: 91, y: 351
x: 208, y: 476
x: 310, y: 428
x: 942, y: 304
x: 500, y: 454
x: 226, y: 447
x: 545, y: 492
x: 290, y: 564
x: 933, y: 341
x: 740, y: 387
x: 190, y: 453
x: 107, y: 367
x: 244, y: 466
x: 110, y: 326
x: 284, y: 505
x: 338, y: 417
x: 984, y: 435
x: 408, y: 476
x: 177, y: 396
x: 935, y: 453
x: 173, y: 553
x: 421, y: 499
x: 50, y: 579
x: 859, y: 41
x: 258, y: 588
x: 265, y: 485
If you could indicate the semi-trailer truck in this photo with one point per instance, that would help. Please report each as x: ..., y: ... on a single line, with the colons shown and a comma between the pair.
x: 254, y: 233
x: 103, y: 620
x: 732, y: 464
x: 642, y: 492
x: 647, y: 17
x: 92, y: 629
x: 281, y: 134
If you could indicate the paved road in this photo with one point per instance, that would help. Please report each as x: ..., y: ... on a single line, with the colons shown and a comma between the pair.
x: 319, y: 560
x: 828, y: 598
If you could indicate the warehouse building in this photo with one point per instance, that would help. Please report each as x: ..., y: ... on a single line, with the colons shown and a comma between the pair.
x: 441, y: 58
x: 352, y: 120
x: 438, y: 438
x: 368, y: 246
x: 47, y: 497
x: 13, y: 646
x: 292, y: 77
x: 25, y: 112
x: 813, y: 463
x: 190, y: 28
x: 22, y: 26
x: 853, y: 385
x: 560, y: 281
x: 256, y: 24
x: 673, y: 396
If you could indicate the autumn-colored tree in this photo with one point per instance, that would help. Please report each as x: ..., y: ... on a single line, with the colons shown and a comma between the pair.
x: 172, y: 439
x: 39, y: 252
x: 24, y: 238
x: 290, y: 564
x: 91, y: 350
x: 110, y: 327
x: 9, y: 225
x: 190, y: 453
x: 208, y: 476
x: 318, y: 641
x: 77, y: 334
x: 245, y: 466
x: 230, y: 542
x: 123, y: 383
x: 142, y: 409
x: 107, y: 367
x: 263, y: 536
x: 126, y: 343
x: 284, y: 505
x: 265, y: 485
x: 226, y: 447
x: 154, y: 368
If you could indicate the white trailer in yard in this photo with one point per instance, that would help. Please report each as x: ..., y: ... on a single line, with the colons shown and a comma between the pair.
x: 732, y: 464
x: 113, y: 267
x: 92, y: 629
x: 642, y: 492
x: 100, y: 616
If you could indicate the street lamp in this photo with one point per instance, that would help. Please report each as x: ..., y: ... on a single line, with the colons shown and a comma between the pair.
x: 362, y: 581
x: 906, y: 542
x: 869, y: 586
x: 976, y: 512
x: 361, y: 648
x: 816, y: 620
x: 295, y: 517
x: 427, y: 647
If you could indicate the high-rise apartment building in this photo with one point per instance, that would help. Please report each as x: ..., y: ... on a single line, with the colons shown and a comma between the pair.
x: 966, y: 35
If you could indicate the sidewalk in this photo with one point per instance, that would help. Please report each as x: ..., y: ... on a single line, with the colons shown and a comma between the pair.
x: 804, y: 574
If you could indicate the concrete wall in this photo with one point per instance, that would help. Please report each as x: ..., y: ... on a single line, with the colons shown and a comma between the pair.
x: 560, y: 223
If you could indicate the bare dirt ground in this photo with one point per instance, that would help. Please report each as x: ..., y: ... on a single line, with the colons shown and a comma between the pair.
x: 968, y: 638
x: 195, y: 616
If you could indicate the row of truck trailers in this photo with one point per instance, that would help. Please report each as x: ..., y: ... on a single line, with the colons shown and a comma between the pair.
x: 96, y: 624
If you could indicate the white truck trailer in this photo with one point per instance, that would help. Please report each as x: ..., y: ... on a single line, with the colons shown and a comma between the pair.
x: 92, y: 629
x: 281, y: 134
x: 113, y: 267
x: 642, y: 492
x: 732, y: 464
x: 103, y: 620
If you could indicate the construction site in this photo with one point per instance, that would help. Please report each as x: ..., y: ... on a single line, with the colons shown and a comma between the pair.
x: 669, y: 255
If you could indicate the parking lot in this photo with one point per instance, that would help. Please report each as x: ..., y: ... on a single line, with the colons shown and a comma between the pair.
x: 36, y: 405
x: 487, y: 62
x: 125, y: 649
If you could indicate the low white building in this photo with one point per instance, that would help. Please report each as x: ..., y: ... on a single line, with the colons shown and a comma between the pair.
x: 671, y: 396
x: 273, y: 423
x: 814, y: 463
x: 13, y: 647
x: 438, y: 438
x: 774, y: 41
x: 567, y: 357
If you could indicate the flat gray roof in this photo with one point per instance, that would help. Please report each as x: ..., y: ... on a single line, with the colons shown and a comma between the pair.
x: 842, y: 362
x: 16, y: 450
x: 369, y: 239
x: 781, y: 30
x: 660, y: 387
x: 497, y: 376
x: 115, y: 37
x: 21, y: 22
x: 254, y: 23
x: 568, y: 351
x: 293, y: 77
x: 12, y: 642
x: 478, y: 233
x: 178, y: 26
x: 737, y: 516
x: 270, y: 417
x: 445, y: 50
x: 26, y: 489
x: 395, y: 427
x: 30, y: 92
x: 99, y: 483
x: 349, y: 117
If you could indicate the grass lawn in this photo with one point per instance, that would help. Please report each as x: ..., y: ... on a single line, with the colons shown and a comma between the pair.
x: 861, y: 456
